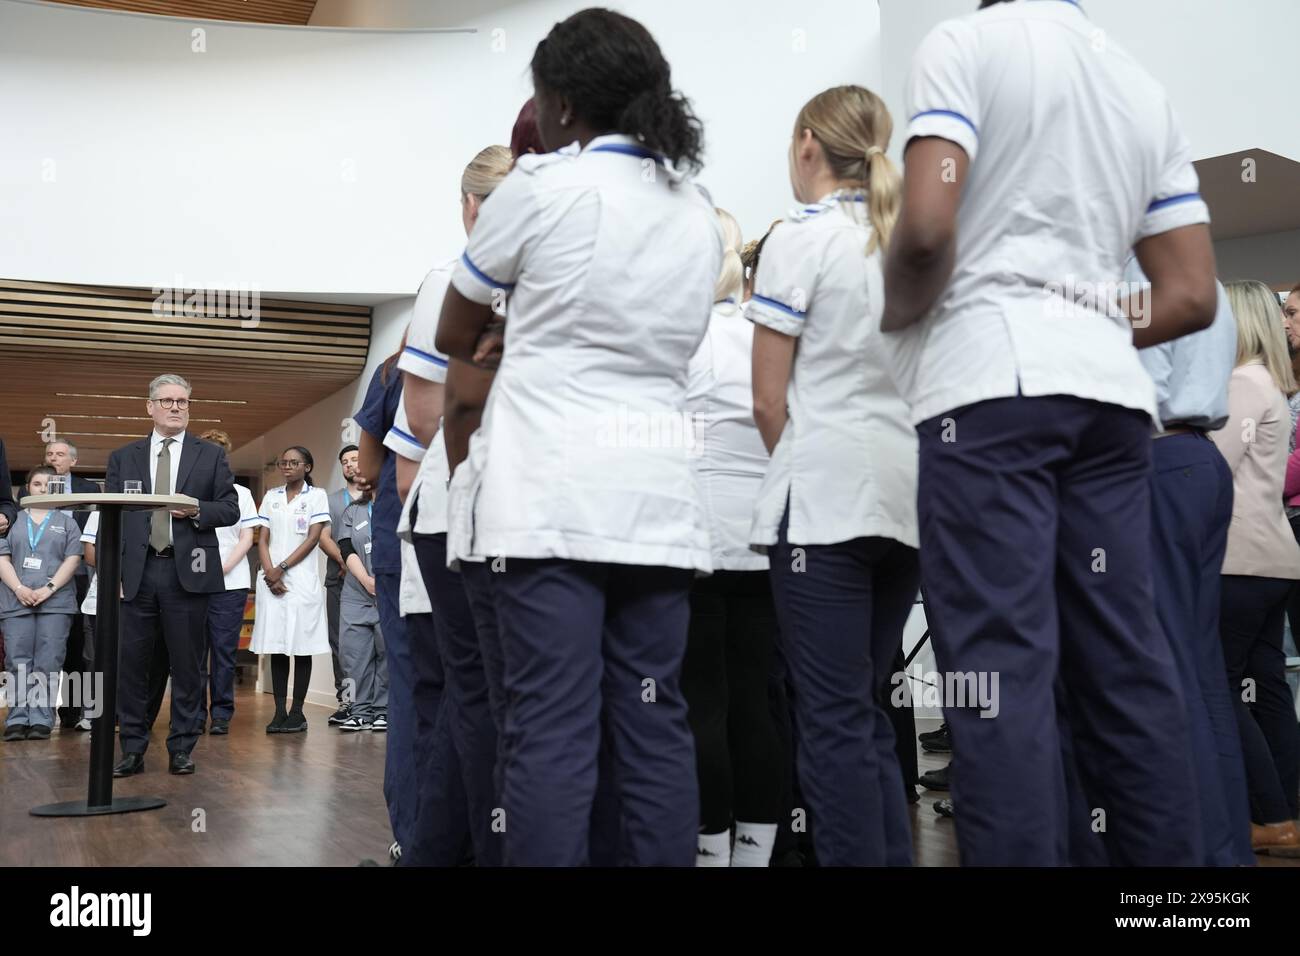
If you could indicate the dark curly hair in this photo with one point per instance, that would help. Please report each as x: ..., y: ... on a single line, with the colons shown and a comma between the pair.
x: 611, y: 70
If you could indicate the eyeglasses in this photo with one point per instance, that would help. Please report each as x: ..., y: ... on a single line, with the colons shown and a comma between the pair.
x: 169, y: 403
x: 289, y: 463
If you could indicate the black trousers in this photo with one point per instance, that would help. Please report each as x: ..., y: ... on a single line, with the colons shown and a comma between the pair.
x: 1250, y: 623
x: 725, y: 673
x: 77, y: 653
x: 182, y: 616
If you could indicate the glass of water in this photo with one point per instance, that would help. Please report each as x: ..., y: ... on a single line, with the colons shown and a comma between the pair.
x: 58, y: 485
x: 133, y: 487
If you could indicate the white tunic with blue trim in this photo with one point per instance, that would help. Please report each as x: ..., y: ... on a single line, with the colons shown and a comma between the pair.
x: 1075, y: 156
x: 846, y: 460
x: 608, y: 261
x: 293, y: 623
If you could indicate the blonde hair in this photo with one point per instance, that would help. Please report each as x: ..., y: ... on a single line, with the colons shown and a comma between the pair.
x: 486, y: 170
x: 1259, y: 330
x: 732, y: 275
x: 853, y: 126
x: 217, y: 437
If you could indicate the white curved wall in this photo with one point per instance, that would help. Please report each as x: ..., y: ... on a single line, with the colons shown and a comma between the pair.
x: 311, y: 161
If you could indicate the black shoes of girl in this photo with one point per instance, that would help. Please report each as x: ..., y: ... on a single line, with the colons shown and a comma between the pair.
x: 291, y: 723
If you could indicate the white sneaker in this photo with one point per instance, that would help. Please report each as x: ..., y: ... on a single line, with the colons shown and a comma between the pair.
x: 353, y: 724
x: 380, y: 725
x: 395, y: 851
x: 83, y: 724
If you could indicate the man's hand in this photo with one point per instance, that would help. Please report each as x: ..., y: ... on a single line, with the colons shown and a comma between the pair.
x: 4, y: 524
x: 189, y: 512
x: 491, y: 344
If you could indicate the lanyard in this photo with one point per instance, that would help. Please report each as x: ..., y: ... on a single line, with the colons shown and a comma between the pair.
x: 370, y: 511
x: 33, y: 542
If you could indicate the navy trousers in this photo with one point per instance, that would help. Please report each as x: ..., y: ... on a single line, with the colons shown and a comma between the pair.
x: 1036, y: 554
x: 465, y: 716
x: 1251, y: 631
x: 479, y: 589
x: 440, y: 826
x: 1191, y: 507
x: 161, y: 604
x: 401, y: 786
x: 225, y: 618
x: 587, y: 644
x: 842, y: 609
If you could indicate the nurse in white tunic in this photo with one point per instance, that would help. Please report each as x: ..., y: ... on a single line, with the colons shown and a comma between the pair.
x: 578, y: 484
x: 291, y: 619
x: 837, y: 511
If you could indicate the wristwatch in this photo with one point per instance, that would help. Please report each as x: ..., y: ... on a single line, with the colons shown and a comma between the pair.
x: 284, y: 566
x: 52, y: 586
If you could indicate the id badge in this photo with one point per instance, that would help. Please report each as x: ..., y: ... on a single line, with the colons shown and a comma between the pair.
x: 31, y: 563
x: 300, y: 524
x: 368, y: 547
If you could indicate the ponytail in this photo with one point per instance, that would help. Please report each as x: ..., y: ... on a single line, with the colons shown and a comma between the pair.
x: 884, y: 197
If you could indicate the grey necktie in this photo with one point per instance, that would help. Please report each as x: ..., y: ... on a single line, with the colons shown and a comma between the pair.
x: 160, y: 528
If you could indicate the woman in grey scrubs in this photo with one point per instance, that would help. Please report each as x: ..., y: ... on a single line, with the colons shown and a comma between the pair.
x: 37, y: 561
x: 361, y: 645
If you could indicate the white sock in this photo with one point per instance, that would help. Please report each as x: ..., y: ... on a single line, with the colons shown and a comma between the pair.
x: 714, y: 849
x: 754, y: 842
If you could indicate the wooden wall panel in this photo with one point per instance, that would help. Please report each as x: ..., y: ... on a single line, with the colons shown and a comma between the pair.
x: 252, y: 11
x: 78, y: 359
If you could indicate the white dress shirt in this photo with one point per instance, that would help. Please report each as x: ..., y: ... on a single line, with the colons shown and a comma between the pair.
x: 155, y: 449
x: 609, y: 262
x: 1075, y: 156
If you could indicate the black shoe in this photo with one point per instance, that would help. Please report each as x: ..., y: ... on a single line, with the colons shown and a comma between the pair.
x: 940, y: 742
x: 912, y: 795
x: 180, y: 763
x: 340, y: 716
x: 943, y: 808
x: 931, y: 734
x: 128, y: 765
x: 295, y: 723
x: 16, y: 732
x: 220, y: 726
x: 39, y: 732
x: 277, y: 722
x: 936, y: 779
x: 68, y: 718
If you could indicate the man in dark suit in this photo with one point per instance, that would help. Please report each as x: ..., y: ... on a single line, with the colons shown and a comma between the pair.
x: 170, y: 564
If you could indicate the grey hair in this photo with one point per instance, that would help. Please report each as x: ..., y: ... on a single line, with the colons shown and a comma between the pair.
x: 168, y: 379
x: 72, y: 449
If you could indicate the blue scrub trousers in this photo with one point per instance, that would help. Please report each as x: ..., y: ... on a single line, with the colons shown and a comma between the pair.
x: 1036, y: 556
x: 466, y: 714
x: 842, y: 609
x: 591, y: 644
x: 1191, y: 507
x: 479, y: 589
x: 225, y: 619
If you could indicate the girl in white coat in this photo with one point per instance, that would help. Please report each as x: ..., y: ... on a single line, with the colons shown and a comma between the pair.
x: 291, y: 619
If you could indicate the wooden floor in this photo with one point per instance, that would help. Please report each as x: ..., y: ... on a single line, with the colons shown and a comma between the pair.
x: 312, y: 799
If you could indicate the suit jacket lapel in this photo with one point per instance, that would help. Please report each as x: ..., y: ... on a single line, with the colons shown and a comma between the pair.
x: 189, y: 455
x: 145, y: 466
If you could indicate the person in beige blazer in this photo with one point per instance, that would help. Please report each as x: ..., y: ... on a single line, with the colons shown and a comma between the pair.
x: 1261, y: 567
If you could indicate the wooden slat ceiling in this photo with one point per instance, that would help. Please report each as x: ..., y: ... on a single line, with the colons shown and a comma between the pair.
x: 251, y: 11
x: 83, y: 357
